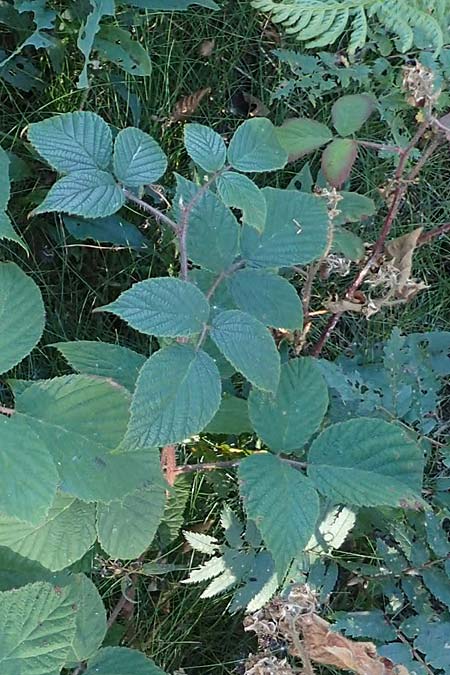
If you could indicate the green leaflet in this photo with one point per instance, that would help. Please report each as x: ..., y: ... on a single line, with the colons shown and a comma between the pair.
x: 17, y: 571
x: 350, y: 112
x: 353, y: 207
x: 255, y: 147
x: 372, y: 463
x: 138, y: 159
x: 239, y: 337
x: 28, y: 476
x: 238, y: 191
x: 295, y: 232
x: 82, y: 420
x: 79, y: 141
x: 300, y: 136
x: 165, y: 307
x: 177, y: 394
x: 283, y: 503
x: 22, y: 315
x: 37, y: 625
x: 338, y: 159
x: 268, y: 297
x: 205, y: 147
x: 347, y: 244
x: 116, y: 44
x: 287, y: 419
x: 48, y: 542
x: 213, y: 233
x: 104, y: 360
x: 91, y: 194
x: 90, y: 624
x: 121, y: 661
x: 112, y: 229
x: 88, y: 31
x: 231, y: 418
x: 127, y: 528
x: 6, y: 229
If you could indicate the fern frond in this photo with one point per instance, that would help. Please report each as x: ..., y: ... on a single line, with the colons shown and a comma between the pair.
x: 319, y: 23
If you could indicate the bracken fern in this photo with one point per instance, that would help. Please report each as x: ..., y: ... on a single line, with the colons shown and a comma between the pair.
x: 319, y: 23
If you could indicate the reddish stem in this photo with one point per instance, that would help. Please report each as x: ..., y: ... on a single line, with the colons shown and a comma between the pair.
x: 426, y: 237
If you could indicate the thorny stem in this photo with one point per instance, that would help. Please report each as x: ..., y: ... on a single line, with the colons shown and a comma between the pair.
x: 426, y: 237
x: 148, y: 208
x: 382, y: 147
x: 402, y: 186
x: 229, y: 464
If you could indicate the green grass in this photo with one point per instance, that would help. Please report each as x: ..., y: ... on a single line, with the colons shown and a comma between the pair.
x: 172, y: 623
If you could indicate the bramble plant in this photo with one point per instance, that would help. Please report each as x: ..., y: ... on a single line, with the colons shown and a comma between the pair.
x: 80, y: 454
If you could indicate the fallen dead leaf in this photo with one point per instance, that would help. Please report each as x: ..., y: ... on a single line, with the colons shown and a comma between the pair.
x: 256, y: 108
x: 401, y: 251
x: 187, y: 106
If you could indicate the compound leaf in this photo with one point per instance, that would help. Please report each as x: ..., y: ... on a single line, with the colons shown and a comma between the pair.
x: 61, y: 539
x: 255, y: 147
x: 127, y: 528
x: 268, y: 297
x: 37, y: 625
x: 22, y: 315
x: 300, y: 136
x: 367, y: 462
x: 104, y: 360
x: 240, y: 336
x: 177, y: 394
x: 350, y: 112
x: 138, y: 158
x: 165, y: 307
x: 121, y: 661
x: 28, y: 476
x: 79, y: 141
x: 238, y: 191
x: 282, y: 502
x: 287, y: 419
x: 295, y: 232
x: 205, y: 147
x: 91, y: 194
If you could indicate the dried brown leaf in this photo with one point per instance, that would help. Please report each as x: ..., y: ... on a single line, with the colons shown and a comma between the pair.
x: 333, y: 649
x: 338, y: 306
x: 256, y: 108
x: 401, y: 250
x: 207, y: 48
x: 187, y: 106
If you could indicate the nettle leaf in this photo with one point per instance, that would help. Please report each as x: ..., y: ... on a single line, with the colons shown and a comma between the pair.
x: 213, y: 233
x: 112, y: 229
x: 88, y: 31
x: 354, y: 207
x: 300, y: 136
x: 367, y: 462
x: 28, y: 476
x: 104, y: 360
x: 91, y: 194
x: 37, y: 625
x: 60, y: 540
x: 90, y: 624
x: 164, y: 307
x: 347, y: 244
x: 238, y: 191
x: 255, y: 147
x: 177, y: 394
x: 82, y: 421
x: 295, y: 233
x: 116, y: 45
x: 22, y: 315
x: 338, y: 159
x: 138, y: 158
x: 287, y: 419
x: 268, y: 297
x: 121, y: 661
x: 240, y: 336
x: 231, y: 418
x: 79, y: 141
x: 127, y: 528
x: 205, y: 147
x: 282, y: 502
x: 350, y: 112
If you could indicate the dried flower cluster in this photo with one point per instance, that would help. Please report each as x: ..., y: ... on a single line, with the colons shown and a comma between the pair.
x: 419, y: 83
